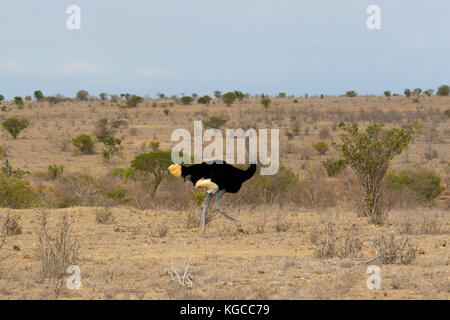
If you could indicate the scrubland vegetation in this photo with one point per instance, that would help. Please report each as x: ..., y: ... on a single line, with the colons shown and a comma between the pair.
x: 363, y: 180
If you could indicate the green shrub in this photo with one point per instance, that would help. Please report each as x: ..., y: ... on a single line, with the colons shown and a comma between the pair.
x: 154, y: 163
x: 321, y: 147
x: 443, y: 90
x: 278, y: 187
x: 55, y: 171
x: 334, y: 167
x: 16, y: 193
x: 133, y: 101
x: 186, y: 100
x: 82, y: 95
x: 424, y: 183
x: 38, y: 95
x: 369, y: 154
x: 2, y: 152
x: 118, y: 195
x: 9, y: 172
x: 387, y: 93
x: 228, y: 98
x: 166, y: 112
x: 18, y: 101
x: 15, y: 126
x: 197, y: 198
x: 351, y: 94
x: 154, y: 145
x: 217, y: 94
x: 214, y: 122
x: 84, y: 143
x: 2, y: 97
x: 112, y: 148
x: 124, y: 174
x: 407, y: 93
x: 447, y: 113
x: 282, y: 95
x: 204, y: 100
x: 265, y: 102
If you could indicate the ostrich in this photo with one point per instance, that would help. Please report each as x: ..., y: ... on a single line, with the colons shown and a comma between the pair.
x: 217, y: 179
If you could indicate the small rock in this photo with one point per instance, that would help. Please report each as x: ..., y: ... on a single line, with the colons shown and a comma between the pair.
x: 16, y: 248
x: 421, y: 251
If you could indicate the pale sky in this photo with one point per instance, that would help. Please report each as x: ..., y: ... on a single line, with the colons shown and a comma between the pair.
x: 256, y: 46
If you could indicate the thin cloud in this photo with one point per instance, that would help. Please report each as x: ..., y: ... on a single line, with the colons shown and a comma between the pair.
x: 149, y: 72
x: 79, y: 68
x: 13, y: 66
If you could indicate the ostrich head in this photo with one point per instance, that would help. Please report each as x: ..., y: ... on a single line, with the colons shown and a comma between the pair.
x: 175, y: 170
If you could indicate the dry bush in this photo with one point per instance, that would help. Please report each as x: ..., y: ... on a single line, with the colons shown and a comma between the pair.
x: 11, y: 225
x: 282, y: 225
x: 351, y: 244
x: 328, y: 244
x: 390, y: 250
x: 57, y: 250
x: 162, y: 229
x: 427, y: 224
x: 325, y: 242
x: 103, y: 215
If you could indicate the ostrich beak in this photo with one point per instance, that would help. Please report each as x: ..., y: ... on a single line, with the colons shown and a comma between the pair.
x: 175, y: 170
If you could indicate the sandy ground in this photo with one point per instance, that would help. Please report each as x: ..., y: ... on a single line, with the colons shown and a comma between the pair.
x: 128, y: 258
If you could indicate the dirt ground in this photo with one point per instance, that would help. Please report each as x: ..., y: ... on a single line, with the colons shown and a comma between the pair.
x: 275, y: 257
x: 129, y: 258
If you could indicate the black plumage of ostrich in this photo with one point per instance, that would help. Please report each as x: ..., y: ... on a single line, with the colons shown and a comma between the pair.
x: 218, y: 178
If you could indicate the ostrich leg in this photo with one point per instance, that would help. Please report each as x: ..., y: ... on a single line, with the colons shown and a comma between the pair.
x: 205, y: 209
x: 218, y: 206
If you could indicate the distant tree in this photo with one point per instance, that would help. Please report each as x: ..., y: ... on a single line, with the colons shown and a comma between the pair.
x: 239, y: 95
x: 228, y: 98
x: 417, y: 92
x: 84, y: 143
x: 407, y: 93
x: 133, y: 101
x: 187, y: 100
x: 428, y: 92
x: 161, y: 95
x: 443, y: 90
x: 2, y: 97
x: 265, y: 102
x: 387, y: 93
x: 204, y: 100
x: 218, y: 94
x: 194, y: 95
x: 27, y: 98
x: 282, y: 95
x: 154, y: 163
x: 38, y: 95
x: 351, y: 93
x: 18, y: 101
x: 82, y: 95
x: 103, y: 96
x: 15, y: 126
x: 125, y: 96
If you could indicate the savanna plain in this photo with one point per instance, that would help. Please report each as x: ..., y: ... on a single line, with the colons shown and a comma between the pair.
x: 301, y: 235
